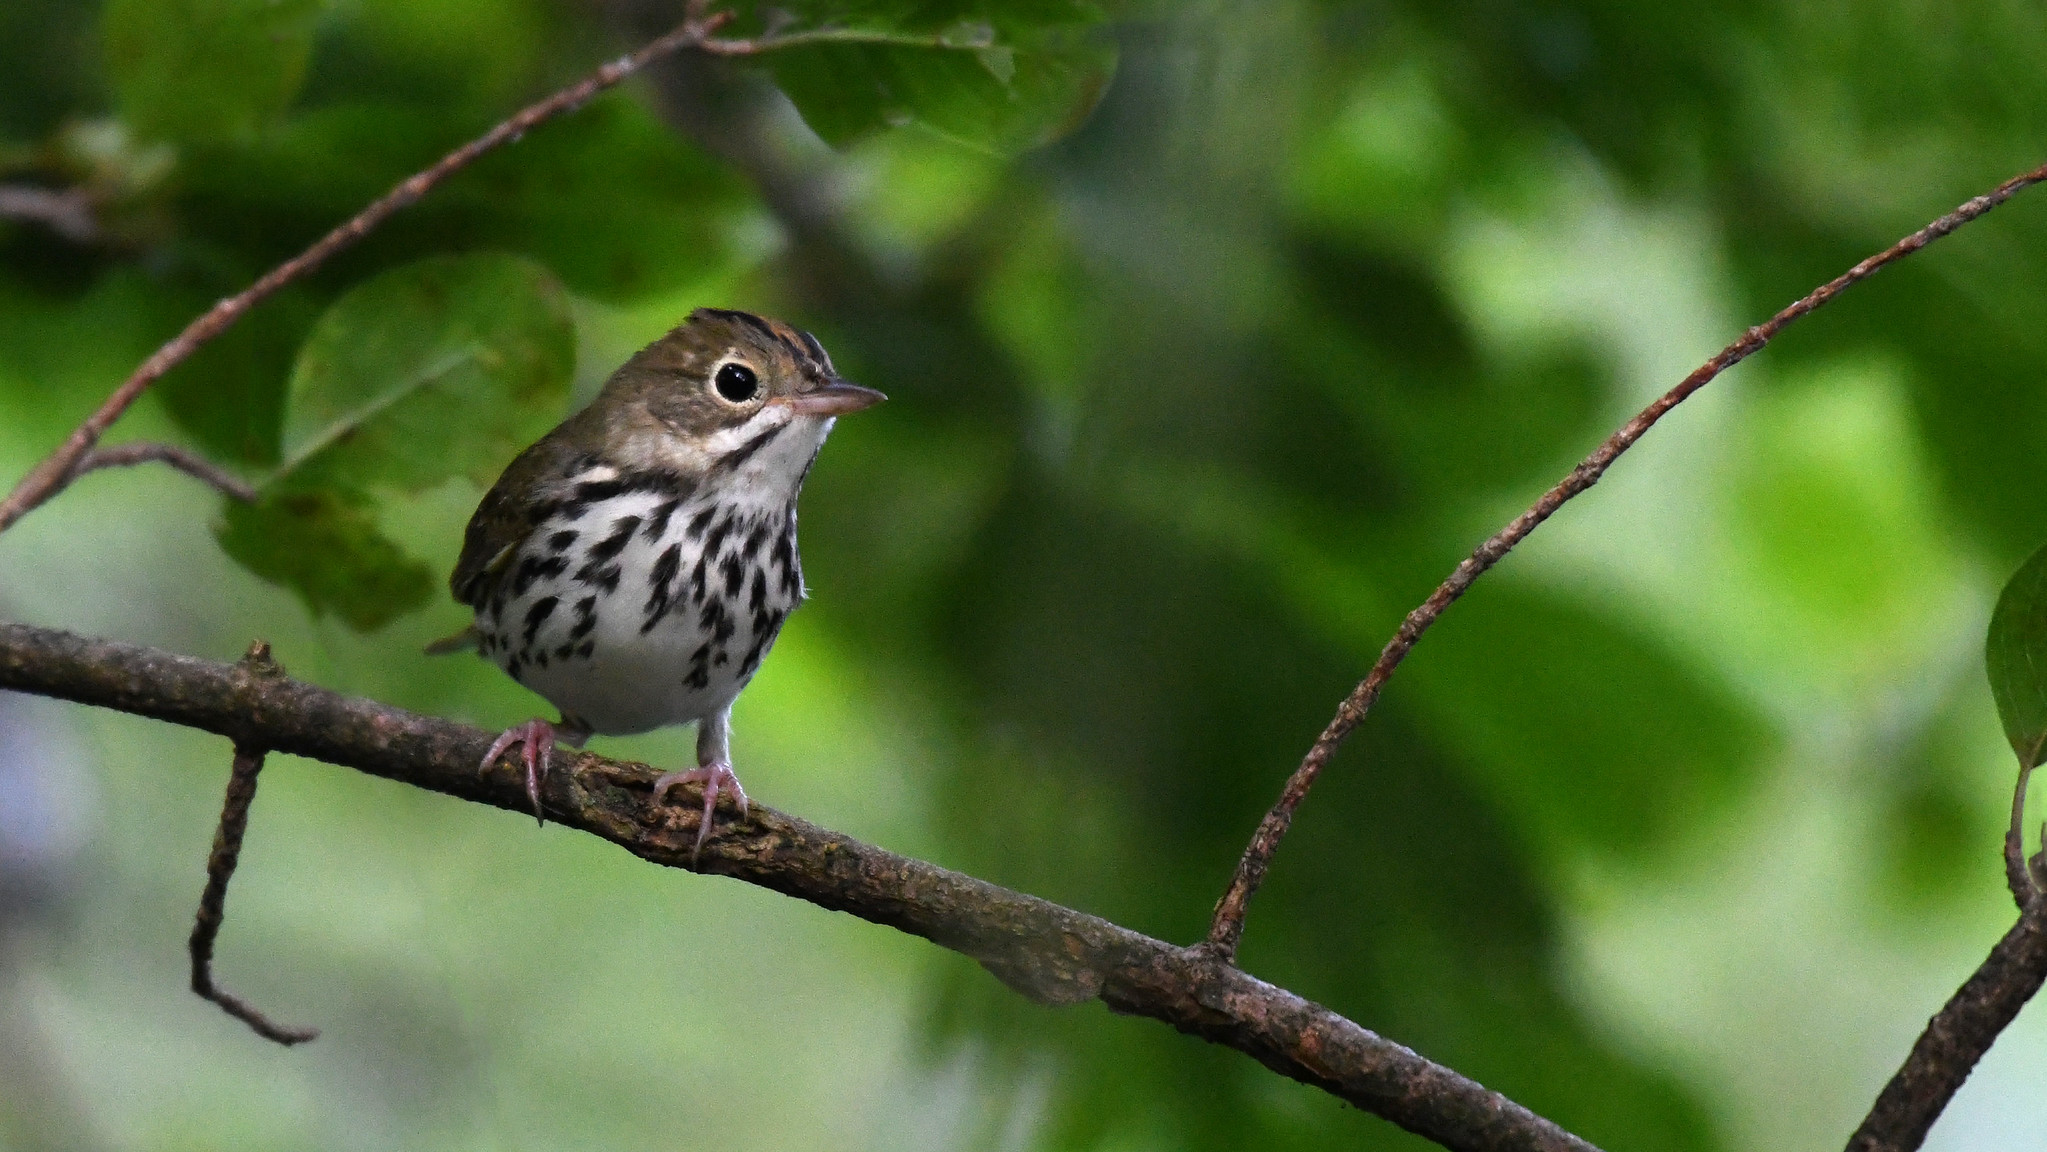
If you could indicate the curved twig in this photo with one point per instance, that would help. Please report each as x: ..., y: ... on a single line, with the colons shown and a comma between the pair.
x: 1227, y: 926
x: 220, y: 869
x: 190, y: 463
x: 58, y: 469
x: 1053, y: 954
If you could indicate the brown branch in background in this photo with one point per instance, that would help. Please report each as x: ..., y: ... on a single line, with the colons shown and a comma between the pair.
x: 67, y: 213
x: 220, y: 868
x: 57, y: 470
x: 1965, y: 1027
x: 1052, y: 954
x: 190, y: 463
x: 1227, y: 926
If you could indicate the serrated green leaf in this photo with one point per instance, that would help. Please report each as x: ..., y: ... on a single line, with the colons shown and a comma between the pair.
x: 998, y: 76
x: 198, y: 70
x: 2016, y: 656
x: 324, y: 545
x: 441, y: 368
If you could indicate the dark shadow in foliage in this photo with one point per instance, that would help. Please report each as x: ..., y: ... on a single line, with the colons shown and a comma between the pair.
x: 50, y: 55
x: 1599, y: 735
x: 1135, y: 704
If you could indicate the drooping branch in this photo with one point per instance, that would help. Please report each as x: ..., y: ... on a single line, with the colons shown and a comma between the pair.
x: 1050, y: 953
x: 220, y: 868
x: 1227, y: 926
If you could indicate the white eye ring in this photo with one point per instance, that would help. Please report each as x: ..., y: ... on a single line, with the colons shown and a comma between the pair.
x: 735, y: 382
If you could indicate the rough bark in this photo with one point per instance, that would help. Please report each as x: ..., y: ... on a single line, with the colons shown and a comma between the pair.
x: 1053, y: 954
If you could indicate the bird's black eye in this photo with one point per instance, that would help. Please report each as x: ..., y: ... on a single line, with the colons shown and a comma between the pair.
x: 737, y: 383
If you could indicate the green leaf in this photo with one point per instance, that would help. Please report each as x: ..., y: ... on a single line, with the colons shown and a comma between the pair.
x: 999, y: 76
x: 612, y: 199
x: 442, y: 368
x: 229, y: 397
x: 1602, y: 736
x: 445, y: 367
x: 194, y: 70
x: 2016, y: 654
x: 325, y: 546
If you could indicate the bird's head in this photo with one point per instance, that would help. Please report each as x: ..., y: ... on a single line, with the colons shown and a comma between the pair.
x: 727, y: 391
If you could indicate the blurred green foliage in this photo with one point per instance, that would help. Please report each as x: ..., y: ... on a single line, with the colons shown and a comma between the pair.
x: 442, y: 368
x: 1216, y: 333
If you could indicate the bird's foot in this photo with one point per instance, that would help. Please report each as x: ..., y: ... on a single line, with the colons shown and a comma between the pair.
x: 713, y: 777
x: 538, y: 737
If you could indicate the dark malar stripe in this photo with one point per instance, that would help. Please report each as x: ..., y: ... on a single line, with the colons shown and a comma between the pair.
x: 740, y: 455
x: 639, y: 480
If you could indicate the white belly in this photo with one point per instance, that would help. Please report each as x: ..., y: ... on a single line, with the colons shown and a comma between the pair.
x: 645, y: 610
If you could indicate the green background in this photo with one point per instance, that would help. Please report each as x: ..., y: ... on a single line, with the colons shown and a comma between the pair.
x: 1675, y: 830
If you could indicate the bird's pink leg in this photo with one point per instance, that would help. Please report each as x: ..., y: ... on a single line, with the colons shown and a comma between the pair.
x: 537, y: 737
x: 713, y: 772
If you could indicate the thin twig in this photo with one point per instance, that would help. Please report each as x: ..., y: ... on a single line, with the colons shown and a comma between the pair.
x: 67, y: 213
x: 220, y: 868
x: 57, y: 470
x: 1227, y: 926
x: 190, y: 463
x: 1052, y: 954
x: 2016, y: 876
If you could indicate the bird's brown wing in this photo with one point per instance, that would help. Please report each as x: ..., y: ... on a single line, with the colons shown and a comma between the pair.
x: 510, y: 511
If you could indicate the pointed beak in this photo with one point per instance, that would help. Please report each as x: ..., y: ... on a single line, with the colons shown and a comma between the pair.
x: 832, y: 398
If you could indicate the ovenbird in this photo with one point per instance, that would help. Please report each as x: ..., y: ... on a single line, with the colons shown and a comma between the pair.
x: 635, y: 565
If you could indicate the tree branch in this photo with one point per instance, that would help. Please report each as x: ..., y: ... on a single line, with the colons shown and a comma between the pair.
x: 1227, y: 926
x: 1956, y: 1038
x: 57, y: 470
x: 190, y: 463
x: 1052, y: 954
x: 220, y: 868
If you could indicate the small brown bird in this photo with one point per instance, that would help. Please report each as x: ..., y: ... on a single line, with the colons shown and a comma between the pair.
x: 635, y: 565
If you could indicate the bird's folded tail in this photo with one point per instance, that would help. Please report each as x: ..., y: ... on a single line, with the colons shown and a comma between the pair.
x: 462, y: 641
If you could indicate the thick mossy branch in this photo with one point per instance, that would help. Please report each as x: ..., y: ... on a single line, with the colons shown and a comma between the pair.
x: 1050, y: 953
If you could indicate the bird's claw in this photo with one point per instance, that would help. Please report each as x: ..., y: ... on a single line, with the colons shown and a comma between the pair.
x: 712, y: 777
x: 537, y: 754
